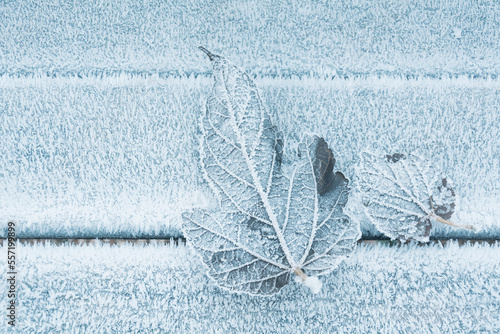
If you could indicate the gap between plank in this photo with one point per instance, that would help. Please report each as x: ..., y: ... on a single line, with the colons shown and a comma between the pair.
x: 182, y: 241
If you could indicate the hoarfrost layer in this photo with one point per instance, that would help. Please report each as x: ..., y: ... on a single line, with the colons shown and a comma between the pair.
x: 158, y: 289
x: 118, y: 156
x: 333, y: 38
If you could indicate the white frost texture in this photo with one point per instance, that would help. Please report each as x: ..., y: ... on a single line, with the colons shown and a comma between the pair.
x: 163, y: 289
x: 100, y: 101
x: 269, y: 224
x: 269, y: 38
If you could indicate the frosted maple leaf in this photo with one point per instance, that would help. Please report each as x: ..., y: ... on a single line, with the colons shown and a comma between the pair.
x: 269, y: 226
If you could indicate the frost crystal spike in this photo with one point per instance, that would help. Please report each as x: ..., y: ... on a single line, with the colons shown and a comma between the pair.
x: 402, y: 194
x: 270, y: 225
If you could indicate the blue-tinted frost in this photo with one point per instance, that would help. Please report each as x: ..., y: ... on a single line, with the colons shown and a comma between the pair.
x: 163, y: 289
x: 117, y: 157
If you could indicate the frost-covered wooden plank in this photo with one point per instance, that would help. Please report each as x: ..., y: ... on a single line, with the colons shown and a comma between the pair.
x: 158, y: 289
x: 122, y: 161
x: 424, y: 38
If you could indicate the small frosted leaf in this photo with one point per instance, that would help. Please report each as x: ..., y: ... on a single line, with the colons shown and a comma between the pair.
x: 402, y: 193
x: 270, y: 225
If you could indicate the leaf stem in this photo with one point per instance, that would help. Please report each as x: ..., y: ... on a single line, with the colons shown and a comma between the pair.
x: 447, y: 222
x: 210, y: 55
x: 300, y: 273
